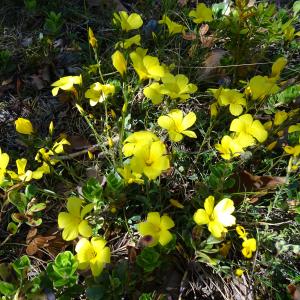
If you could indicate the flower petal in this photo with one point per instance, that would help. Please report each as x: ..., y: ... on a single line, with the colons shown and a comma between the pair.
x: 188, y: 120
x: 209, y: 204
x: 166, y: 222
x: 74, y: 206
x: 201, y: 217
x: 70, y: 233
x: 154, y: 218
x: 84, y: 229
x: 165, y: 237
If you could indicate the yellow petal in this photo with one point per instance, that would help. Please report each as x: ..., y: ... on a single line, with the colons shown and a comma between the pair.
x: 166, y: 122
x: 21, y: 165
x: 84, y: 229
x: 164, y: 237
x: 4, y: 160
x: 70, y: 233
x: 201, y: 217
x: 74, y: 206
x: 190, y: 134
x: 216, y: 228
x: 135, y: 21
x: 24, y: 126
x: 85, y: 251
x: 166, y: 222
x: 258, y: 131
x: 154, y: 218
x: 280, y: 117
x: 153, y: 92
x: 278, y: 66
x: 146, y: 228
x: 175, y: 136
x: 119, y: 62
x: 209, y: 204
x: 235, y: 109
x: 188, y: 120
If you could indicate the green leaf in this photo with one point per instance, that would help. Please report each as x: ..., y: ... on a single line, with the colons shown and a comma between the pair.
x: 149, y: 260
x: 12, y: 228
x: 21, y: 266
x: 37, y: 207
x: 296, y: 7
x: 19, y: 200
x: 30, y: 191
x: 7, y: 289
x: 92, y: 190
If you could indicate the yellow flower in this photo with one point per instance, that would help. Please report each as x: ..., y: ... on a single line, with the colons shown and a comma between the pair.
x: 241, y: 232
x: 177, y: 87
x: 92, y: 39
x: 201, y: 14
x: 92, y: 254
x: 151, y: 159
x: 153, y: 92
x: 216, y: 217
x: 249, y: 246
x: 23, y: 126
x: 23, y: 175
x: 262, y: 86
x: 247, y: 129
x: 176, y: 124
x: 173, y: 27
x: 280, y: 117
x: 129, y: 176
x: 229, y: 147
x: 278, y: 66
x: 119, y: 62
x: 66, y: 83
x: 138, y: 140
x: 239, y: 272
x: 295, y: 151
x: 146, y: 66
x: 4, y: 160
x: 97, y: 93
x: 72, y: 222
x: 131, y: 22
x: 233, y: 98
x: 157, y: 227
x: 135, y: 40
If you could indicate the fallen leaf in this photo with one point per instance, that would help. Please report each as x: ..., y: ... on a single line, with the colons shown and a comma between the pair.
x: 182, y: 2
x: 294, y: 291
x: 189, y: 36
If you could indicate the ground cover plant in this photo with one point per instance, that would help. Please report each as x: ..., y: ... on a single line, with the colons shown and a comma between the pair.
x: 151, y: 153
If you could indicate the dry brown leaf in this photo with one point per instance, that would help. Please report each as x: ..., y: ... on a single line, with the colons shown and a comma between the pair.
x: 182, y: 2
x: 294, y: 291
x: 253, y: 183
x: 203, y: 29
x: 211, y: 62
x: 189, y: 36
